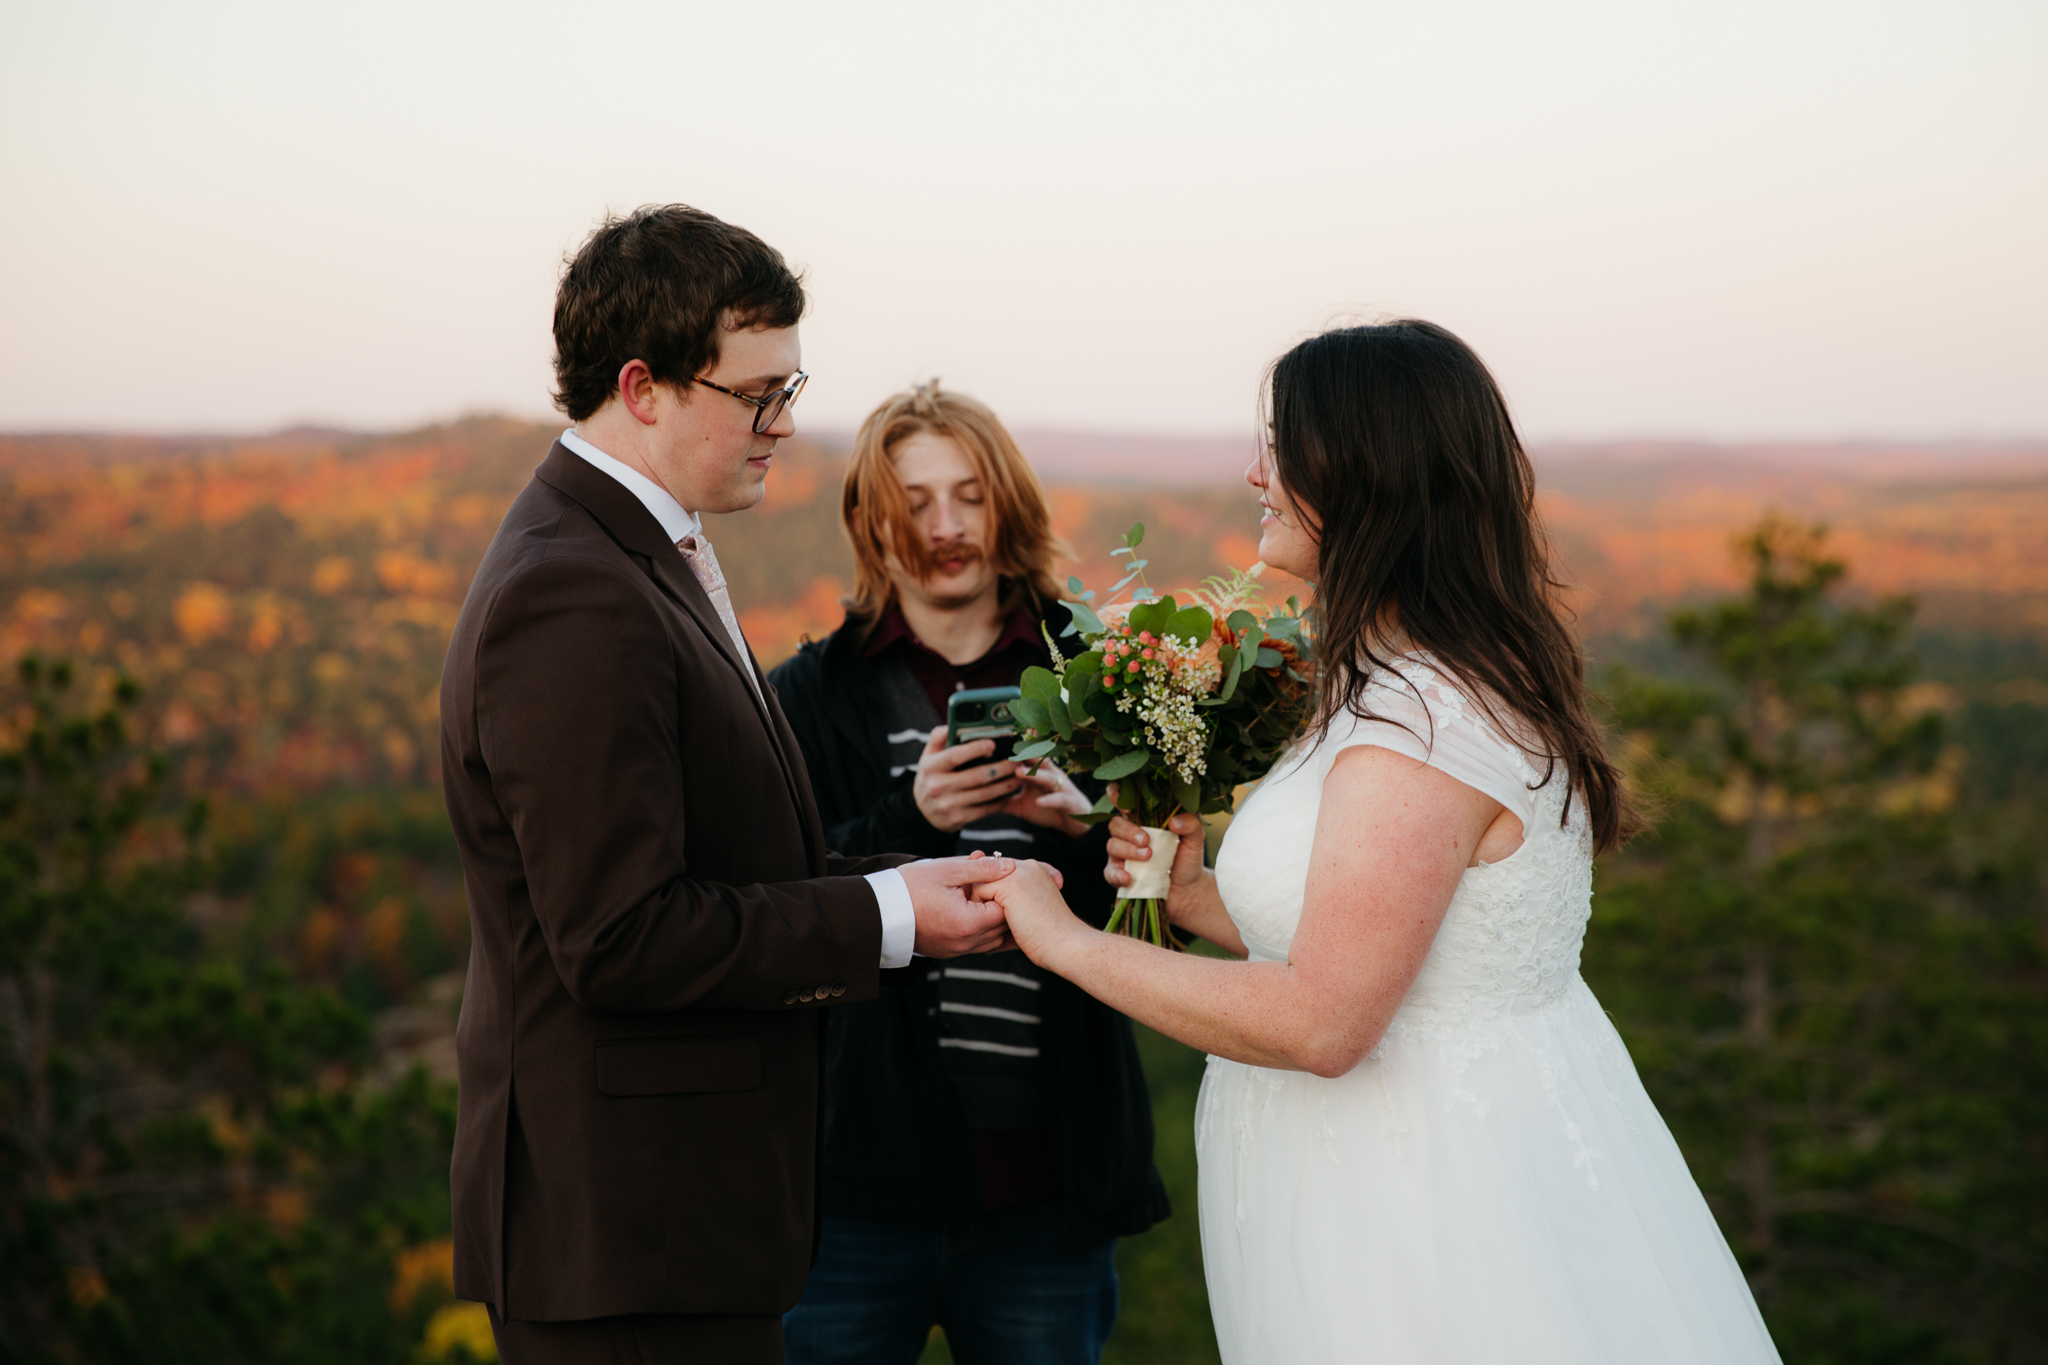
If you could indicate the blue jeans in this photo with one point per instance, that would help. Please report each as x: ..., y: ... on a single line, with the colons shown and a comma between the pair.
x: 999, y: 1283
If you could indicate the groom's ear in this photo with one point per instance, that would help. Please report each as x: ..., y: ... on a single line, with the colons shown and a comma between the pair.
x: 636, y: 391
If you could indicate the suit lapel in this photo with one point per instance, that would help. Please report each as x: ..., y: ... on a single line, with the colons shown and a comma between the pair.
x: 672, y: 572
x: 634, y: 527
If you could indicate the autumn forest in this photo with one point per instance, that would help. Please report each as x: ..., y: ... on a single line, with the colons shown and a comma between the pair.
x: 232, y: 925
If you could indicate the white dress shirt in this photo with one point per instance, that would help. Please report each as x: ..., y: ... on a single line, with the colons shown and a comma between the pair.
x: 892, y: 893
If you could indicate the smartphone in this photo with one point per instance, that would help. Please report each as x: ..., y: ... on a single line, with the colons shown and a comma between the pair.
x: 982, y: 713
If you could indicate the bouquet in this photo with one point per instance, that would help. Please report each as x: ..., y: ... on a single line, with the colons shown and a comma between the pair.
x: 1177, y: 702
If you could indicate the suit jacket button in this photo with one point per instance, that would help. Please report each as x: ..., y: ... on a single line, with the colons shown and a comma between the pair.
x: 789, y: 997
x: 839, y: 988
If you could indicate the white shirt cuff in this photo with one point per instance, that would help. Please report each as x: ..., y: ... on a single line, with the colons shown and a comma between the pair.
x: 899, y: 920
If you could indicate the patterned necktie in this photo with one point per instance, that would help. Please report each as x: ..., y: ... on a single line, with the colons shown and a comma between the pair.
x: 703, y: 562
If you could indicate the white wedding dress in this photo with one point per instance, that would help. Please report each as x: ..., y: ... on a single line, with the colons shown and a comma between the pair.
x: 1491, y: 1183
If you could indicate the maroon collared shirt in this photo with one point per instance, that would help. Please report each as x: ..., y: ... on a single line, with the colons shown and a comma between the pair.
x: 1016, y: 649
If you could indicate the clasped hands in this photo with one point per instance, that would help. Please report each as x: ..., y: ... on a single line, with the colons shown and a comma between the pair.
x: 986, y: 904
x: 966, y: 905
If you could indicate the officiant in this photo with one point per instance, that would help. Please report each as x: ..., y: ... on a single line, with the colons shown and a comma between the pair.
x: 988, y: 1131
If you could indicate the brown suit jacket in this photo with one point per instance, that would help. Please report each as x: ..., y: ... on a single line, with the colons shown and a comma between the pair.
x: 656, y: 926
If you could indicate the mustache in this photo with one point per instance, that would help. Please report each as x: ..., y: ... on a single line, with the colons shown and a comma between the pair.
x: 939, y: 552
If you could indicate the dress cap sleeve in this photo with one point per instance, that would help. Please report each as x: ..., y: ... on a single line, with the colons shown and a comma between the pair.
x: 1422, y: 711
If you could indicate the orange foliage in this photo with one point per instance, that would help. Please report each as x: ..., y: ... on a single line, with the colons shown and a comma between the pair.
x: 333, y: 575
x: 384, y: 928
x: 320, y: 938
x: 428, y: 1266
x: 202, y: 611
x: 775, y: 631
x: 402, y: 572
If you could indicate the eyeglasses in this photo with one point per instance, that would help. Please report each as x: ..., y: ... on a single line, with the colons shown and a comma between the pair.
x: 768, y: 406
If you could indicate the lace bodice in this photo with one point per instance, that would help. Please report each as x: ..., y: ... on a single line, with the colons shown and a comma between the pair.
x: 1511, y: 937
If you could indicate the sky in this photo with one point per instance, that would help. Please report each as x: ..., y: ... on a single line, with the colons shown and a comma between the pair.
x: 1726, y: 220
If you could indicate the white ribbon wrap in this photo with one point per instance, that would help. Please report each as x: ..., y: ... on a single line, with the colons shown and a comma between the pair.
x: 1151, y: 878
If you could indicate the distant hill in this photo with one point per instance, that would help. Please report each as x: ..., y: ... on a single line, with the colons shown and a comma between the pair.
x: 286, y: 599
x: 1085, y: 457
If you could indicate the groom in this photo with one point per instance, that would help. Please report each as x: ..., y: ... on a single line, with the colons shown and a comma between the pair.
x: 657, y: 925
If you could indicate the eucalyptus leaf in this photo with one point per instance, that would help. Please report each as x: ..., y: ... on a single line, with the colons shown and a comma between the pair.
x: 1136, y: 535
x: 1085, y: 619
x: 1192, y: 624
x: 1123, y: 765
x: 1153, y: 616
x: 1229, y: 688
x: 1032, y: 714
x: 1039, y: 684
x: 1269, y: 658
x: 1240, y: 621
x: 1075, y: 585
x: 1079, y: 689
x: 1038, y: 748
x: 1061, y: 721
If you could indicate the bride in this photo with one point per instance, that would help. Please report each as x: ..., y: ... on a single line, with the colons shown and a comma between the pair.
x: 1421, y: 1140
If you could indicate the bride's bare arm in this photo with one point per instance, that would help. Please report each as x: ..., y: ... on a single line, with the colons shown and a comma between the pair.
x: 1192, y: 902
x: 1392, y: 838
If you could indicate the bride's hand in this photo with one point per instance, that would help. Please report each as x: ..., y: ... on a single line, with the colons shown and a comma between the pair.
x: 1031, y: 901
x: 1128, y: 843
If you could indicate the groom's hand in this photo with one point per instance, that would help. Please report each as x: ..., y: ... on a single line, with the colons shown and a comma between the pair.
x: 950, y: 921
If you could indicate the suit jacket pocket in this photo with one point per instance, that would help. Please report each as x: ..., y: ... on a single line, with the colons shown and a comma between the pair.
x: 678, y: 1066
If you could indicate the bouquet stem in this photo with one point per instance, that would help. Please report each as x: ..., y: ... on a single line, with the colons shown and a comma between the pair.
x: 1144, y: 915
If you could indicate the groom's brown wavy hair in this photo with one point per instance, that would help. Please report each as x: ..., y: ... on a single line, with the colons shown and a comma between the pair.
x: 1395, y: 443
x: 657, y: 286
x: 876, y: 511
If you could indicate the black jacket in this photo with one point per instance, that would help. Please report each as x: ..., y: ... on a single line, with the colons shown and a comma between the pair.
x: 896, y: 1146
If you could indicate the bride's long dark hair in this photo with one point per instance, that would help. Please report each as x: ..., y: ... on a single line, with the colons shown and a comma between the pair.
x: 1396, y: 447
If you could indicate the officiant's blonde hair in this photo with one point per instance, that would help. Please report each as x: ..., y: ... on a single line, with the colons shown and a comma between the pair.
x: 876, y: 510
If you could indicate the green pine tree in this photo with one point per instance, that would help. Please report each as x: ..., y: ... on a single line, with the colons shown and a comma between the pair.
x: 188, y: 1169
x: 1841, y: 1020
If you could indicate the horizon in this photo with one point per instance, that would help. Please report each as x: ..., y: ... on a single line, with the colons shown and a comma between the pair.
x: 1067, y: 457
x: 834, y: 434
